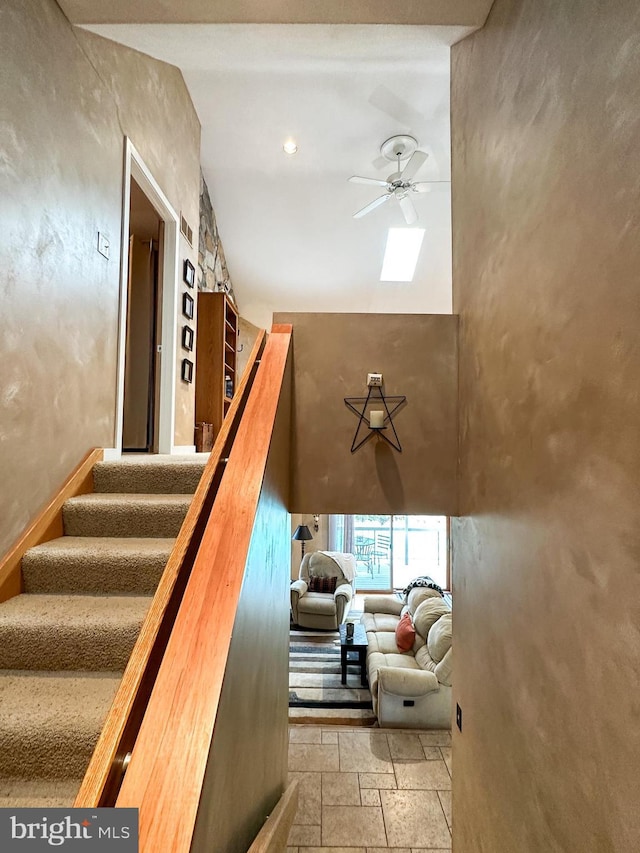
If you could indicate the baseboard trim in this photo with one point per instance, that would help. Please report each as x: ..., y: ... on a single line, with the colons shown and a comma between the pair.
x: 181, y: 449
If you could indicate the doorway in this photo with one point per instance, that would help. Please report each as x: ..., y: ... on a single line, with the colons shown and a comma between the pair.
x: 392, y: 550
x: 164, y: 320
x: 144, y: 321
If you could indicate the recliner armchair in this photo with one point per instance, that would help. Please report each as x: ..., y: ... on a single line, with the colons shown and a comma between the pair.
x: 322, y: 609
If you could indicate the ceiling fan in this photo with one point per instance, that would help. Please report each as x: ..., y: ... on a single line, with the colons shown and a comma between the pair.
x: 398, y: 185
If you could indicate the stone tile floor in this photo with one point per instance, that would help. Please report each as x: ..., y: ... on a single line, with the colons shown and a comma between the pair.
x: 365, y: 790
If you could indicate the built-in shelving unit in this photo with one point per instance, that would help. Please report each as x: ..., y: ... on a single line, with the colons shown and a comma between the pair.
x: 216, y: 367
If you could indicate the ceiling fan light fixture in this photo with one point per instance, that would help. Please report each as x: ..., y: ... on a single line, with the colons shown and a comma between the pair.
x: 400, y: 184
x: 401, y: 254
x: 290, y: 147
x: 398, y: 147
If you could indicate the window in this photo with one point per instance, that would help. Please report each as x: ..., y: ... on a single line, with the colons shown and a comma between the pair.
x: 392, y: 550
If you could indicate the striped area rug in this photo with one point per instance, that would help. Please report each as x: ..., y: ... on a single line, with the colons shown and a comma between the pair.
x: 315, y: 689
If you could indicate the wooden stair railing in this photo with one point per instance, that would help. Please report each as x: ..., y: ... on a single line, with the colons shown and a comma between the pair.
x: 273, y: 836
x: 47, y: 525
x: 165, y: 776
x: 102, y: 780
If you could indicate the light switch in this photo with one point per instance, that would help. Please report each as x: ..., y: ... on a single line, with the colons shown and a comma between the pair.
x: 103, y: 245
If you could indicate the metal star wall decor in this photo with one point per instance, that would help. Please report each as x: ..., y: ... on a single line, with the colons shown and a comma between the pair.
x: 358, y: 406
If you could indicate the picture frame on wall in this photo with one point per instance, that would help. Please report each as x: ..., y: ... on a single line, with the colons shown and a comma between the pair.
x: 189, y: 273
x: 187, y: 370
x: 187, y: 338
x: 187, y: 306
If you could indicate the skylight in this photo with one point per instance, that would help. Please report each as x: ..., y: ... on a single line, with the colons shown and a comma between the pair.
x: 401, y: 254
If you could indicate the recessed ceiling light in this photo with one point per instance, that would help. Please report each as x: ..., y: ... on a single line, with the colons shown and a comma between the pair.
x: 290, y: 147
x: 401, y: 254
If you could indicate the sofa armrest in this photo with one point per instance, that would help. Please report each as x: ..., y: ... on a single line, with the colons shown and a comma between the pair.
x: 298, y: 589
x: 345, y: 590
x: 383, y: 604
x: 411, y: 683
x: 342, y: 597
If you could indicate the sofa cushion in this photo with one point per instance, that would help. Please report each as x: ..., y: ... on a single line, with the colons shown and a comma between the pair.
x: 404, y: 661
x: 322, y: 584
x: 428, y: 612
x: 419, y: 594
x: 317, y: 602
x: 444, y: 670
x: 379, y: 622
x: 409, y: 683
x: 424, y: 659
x: 439, y: 637
x: 384, y: 642
x: 405, y: 633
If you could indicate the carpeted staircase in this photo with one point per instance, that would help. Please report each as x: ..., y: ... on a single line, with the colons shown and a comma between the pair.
x: 65, y: 641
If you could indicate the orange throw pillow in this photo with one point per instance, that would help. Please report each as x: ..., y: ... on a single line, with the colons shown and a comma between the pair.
x: 405, y: 633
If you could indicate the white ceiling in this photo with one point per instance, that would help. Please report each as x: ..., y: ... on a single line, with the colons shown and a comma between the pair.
x: 339, y: 90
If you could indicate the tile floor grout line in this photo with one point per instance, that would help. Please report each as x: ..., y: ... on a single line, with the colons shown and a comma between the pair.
x: 391, y: 776
x: 444, y: 813
x: 445, y: 761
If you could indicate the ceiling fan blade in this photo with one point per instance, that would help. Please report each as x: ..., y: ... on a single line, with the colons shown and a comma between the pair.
x: 409, y: 211
x: 429, y: 186
x: 356, y: 179
x: 415, y: 161
x: 393, y: 105
x: 372, y: 206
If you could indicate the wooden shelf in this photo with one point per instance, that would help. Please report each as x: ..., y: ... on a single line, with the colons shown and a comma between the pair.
x: 216, y: 344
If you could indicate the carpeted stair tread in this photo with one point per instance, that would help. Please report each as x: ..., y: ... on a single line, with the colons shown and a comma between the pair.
x: 96, y: 565
x: 50, y: 722
x: 139, y: 515
x: 69, y: 632
x: 152, y: 474
x: 38, y: 793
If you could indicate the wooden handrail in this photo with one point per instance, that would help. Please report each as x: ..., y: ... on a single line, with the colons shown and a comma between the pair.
x: 47, y: 525
x: 273, y: 836
x: 104, y: 774
x: 165, y: 776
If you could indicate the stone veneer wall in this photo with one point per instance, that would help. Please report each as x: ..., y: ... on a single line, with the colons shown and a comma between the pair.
x: 212, y: 264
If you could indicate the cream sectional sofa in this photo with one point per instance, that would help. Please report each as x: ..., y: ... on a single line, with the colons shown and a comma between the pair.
x: 410, y: 689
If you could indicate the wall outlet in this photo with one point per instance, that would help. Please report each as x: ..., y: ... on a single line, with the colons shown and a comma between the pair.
x: 103, y: 245
x: 374, y: 380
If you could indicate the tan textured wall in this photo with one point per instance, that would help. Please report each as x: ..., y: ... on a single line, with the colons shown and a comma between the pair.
x: 247, y: 766
x: 472, y: 12
x: 69, y: 98
x: 320, y: 541
x: 247, y: 334
x: 546, y: 166
x: 155, y: 111
x: 417, y: 355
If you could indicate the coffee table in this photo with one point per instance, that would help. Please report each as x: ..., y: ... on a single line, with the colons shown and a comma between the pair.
x: 354, y: 650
